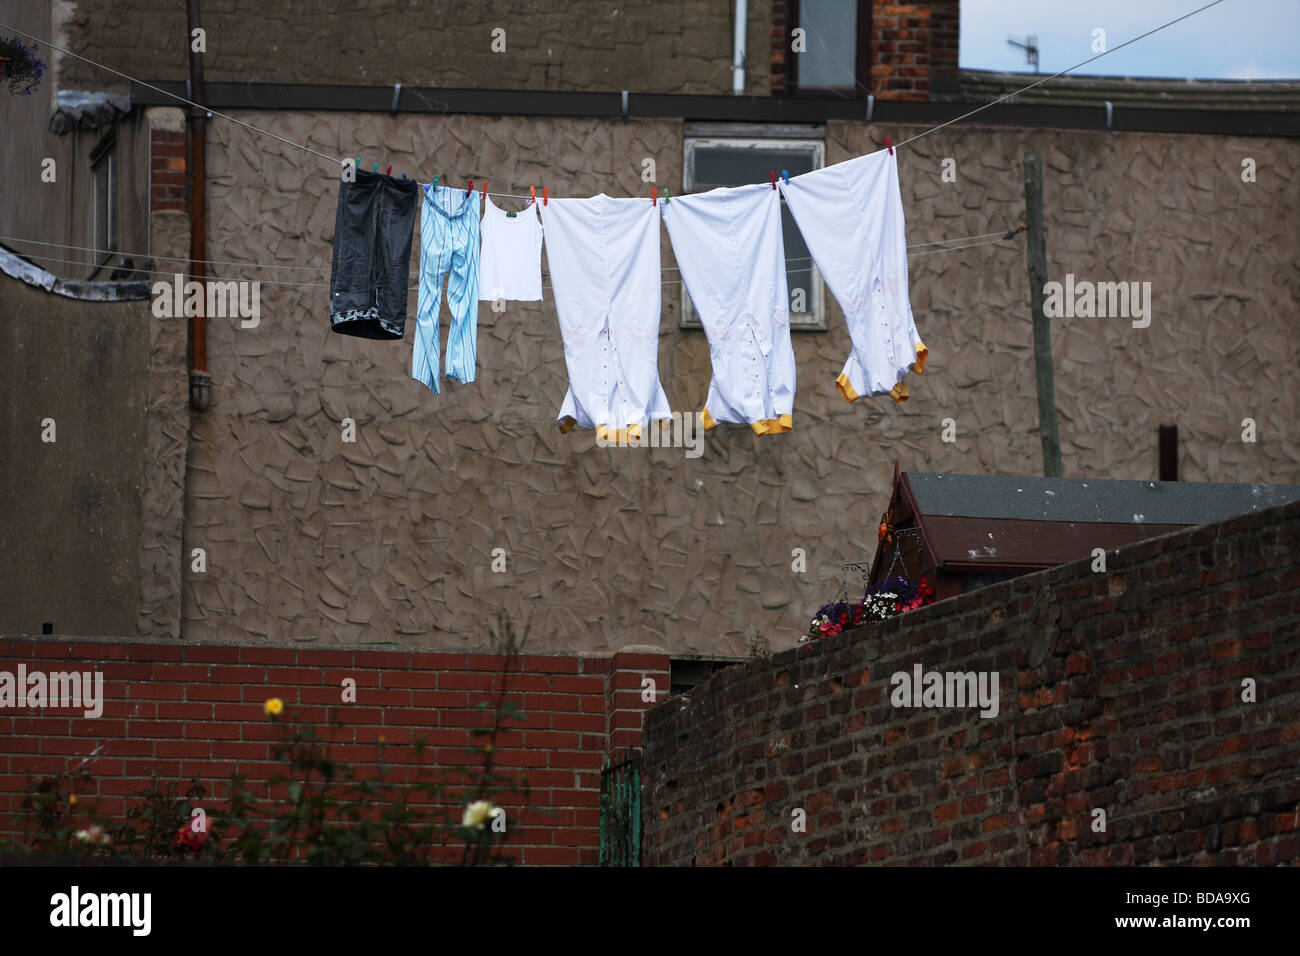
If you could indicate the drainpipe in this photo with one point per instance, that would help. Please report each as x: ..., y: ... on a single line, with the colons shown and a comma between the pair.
x: 738, y: 60
x: 200, y: 380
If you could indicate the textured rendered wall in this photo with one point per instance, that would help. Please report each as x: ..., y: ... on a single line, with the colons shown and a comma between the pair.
x: 1121, y: 691
x: 190, y: 711
x: 391, y: 538
x: 167, y: 446
x: 670, y: 46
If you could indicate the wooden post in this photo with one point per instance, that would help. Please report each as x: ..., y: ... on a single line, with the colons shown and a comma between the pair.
x: 1036, y: 255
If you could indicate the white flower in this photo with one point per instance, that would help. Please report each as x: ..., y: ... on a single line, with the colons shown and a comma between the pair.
x: 477, y: 814
x: 92, y: 834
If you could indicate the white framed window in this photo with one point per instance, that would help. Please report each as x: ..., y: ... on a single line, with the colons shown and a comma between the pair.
x: 103, y: 168
x: 716, y: 156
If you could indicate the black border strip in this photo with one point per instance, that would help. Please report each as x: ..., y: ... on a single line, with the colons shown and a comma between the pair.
x: 752, y: 109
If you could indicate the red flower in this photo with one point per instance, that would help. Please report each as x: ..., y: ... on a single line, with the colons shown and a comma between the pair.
x: 190, y: 836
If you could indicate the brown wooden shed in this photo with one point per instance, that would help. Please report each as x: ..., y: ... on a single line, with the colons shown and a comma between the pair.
x: 963, y: 532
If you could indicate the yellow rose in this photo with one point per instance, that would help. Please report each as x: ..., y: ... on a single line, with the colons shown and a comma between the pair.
x: 477, y: 814
x: 273, y: 706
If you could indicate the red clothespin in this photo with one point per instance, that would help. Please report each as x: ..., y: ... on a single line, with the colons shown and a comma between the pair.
x: 546, y: 199
x: 470, y: 190
x: 389, y: 172
x: 654, y: 195
x: 532, y: 192
x: 890, y: 145
x: 772, y: 173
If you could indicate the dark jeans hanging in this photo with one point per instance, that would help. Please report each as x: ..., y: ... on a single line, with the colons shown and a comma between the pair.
x: 372, y: 256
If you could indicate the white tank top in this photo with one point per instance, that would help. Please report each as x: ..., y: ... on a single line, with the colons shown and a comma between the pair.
x: 510, y: 264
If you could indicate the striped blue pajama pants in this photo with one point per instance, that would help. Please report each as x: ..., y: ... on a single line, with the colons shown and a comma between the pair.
x: 449, y: 243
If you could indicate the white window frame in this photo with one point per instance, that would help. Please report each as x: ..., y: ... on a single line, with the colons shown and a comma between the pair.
x: 815, y: 317
x: 105, y: 155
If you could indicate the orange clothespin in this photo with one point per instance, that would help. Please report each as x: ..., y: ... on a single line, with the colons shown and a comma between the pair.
x: 485, y: 186
x: 889, y: 145
x: 654, y: 195
x: 532, y: 192
x: 546, y: 199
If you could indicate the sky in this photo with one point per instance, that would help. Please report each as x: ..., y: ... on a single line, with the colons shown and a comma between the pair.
x: 1238, y: 39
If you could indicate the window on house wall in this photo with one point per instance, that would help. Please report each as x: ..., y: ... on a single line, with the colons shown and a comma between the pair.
x: 720, y: 157
x: 834, y: 55
x: 103, y: 166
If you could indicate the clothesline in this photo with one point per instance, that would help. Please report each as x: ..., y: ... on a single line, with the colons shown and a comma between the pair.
x: 1004, y: 234
x: 1000, y: 237
x: 340, y: 162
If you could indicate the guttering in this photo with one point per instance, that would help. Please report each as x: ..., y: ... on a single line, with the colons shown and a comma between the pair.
x: 718, y: 107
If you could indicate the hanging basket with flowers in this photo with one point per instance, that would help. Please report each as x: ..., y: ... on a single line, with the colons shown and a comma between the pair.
x: 883, y: 599
x: 20, y: 68
x: 892, y: 595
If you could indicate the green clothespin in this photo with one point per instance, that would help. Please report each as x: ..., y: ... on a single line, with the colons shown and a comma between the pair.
x: 667, y: 198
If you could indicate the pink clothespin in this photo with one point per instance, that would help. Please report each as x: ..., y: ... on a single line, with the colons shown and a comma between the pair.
x: 890, y: 145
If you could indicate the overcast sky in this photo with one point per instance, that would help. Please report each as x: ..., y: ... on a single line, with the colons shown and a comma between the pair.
x: 1238, y: 39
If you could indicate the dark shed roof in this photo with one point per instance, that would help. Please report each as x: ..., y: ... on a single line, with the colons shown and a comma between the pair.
x: 1098, y: 500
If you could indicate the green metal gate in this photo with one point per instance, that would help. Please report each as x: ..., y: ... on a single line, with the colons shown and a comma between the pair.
x: 620, y: 811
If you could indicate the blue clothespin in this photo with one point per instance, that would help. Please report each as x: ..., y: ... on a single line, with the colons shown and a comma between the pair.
x: 435, y: 183
x: 403, y: 177
x: 375, y: 168
x: 785, y: 175
x: 358, y: 166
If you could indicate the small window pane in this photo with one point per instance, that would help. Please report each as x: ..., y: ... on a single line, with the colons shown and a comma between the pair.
x: 829, y: 59
x: 736, y: 162
x: 105, y: 208
x: 729, y: 166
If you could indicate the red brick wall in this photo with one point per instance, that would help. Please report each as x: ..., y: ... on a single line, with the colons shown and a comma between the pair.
x: 186, y: 710
x: 167, y: 169
x: 780, y: 45
x: 1119, y: 690
x: 913, y: 48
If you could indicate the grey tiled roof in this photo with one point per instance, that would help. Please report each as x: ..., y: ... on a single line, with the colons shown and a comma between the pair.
x: 1090, y: 499
x: 981, y: 86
